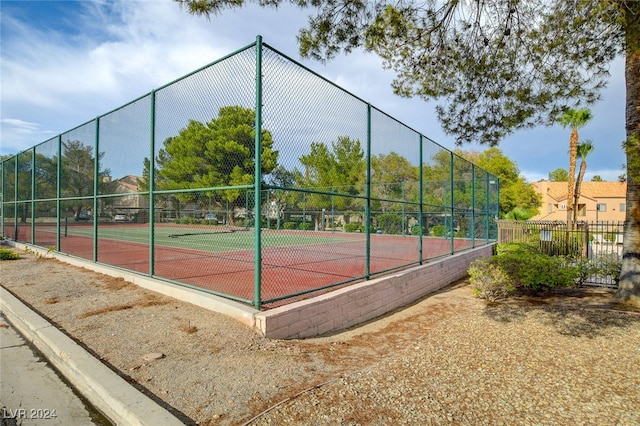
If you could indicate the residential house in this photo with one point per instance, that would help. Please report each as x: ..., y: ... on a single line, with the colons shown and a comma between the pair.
x: 598, y: 202
x: 130, y: 203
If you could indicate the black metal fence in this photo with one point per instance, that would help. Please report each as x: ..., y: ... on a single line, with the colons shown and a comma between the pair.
x: 599, y: 243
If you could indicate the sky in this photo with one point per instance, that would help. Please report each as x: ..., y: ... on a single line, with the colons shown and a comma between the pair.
x: 64, y: 62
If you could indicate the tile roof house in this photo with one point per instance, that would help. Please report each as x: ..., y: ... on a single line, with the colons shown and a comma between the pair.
x: 129, y: 202
x: 599, y: 201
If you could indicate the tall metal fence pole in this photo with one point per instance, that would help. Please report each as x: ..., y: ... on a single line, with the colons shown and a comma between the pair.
x: 33, y: 195
x: 15, y: 198
x: 473, y: 206
x: 152, y: 185
x: 421, y: 199
x: 452, y: 201
x: 487, y: 208
x: 96, y: 177
x: 2, y: 198
x: 367, y: 205
x: 59, y: 193
x: 257, y: 298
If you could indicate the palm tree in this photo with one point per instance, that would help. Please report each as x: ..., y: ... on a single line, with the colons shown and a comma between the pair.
x: 574, y: 119
x: 583, y: 151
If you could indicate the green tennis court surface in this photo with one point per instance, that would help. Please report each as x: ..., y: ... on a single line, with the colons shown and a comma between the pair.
x: 211, y: 239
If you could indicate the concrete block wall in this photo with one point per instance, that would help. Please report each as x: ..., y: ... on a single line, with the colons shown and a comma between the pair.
x: 364, y: 301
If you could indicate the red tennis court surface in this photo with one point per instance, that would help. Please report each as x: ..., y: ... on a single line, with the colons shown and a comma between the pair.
x: 285, y: 270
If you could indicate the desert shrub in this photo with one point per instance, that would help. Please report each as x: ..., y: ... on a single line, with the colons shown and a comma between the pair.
x: 488, y: 281
x: 586, y: 268
x: 354, y: 227
x: 291, y: 225
x: 438, y: 230
x: 537, y: 273
x: 609, y: 265
x: 8, y: 254
x: 305, y: 226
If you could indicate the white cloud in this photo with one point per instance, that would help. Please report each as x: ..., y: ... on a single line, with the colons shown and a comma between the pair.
x: 18, y: 135
x: 20, y: 125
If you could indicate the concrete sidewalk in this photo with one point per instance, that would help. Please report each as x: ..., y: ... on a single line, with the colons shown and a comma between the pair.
x: 116, y: 399
x: 31, y: 392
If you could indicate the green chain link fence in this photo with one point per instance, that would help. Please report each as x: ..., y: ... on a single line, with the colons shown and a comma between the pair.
x: 167, y: 186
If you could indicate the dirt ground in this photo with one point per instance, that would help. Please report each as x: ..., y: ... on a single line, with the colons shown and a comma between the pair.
x: 214, y: 370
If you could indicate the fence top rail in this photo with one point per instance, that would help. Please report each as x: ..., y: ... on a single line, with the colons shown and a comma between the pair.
x: 556, y: 222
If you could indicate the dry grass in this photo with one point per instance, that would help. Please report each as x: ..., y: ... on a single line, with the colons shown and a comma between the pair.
x: 51, y: 301
x: 189, y: 329
x: 116, y: 284
x: 146, y: 301
x: 113, y: 308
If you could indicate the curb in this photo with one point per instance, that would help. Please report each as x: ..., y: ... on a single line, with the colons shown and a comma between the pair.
x: 107, y: 391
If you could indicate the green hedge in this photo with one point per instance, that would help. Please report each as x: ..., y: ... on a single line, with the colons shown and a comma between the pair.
x: 354, y: 227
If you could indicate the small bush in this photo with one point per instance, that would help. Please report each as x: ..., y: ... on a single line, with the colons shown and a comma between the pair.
x: 415, y: 230
x: 521, y: 248
x: 537, y: 272
x: 488, y: 281
x: 305, y: 226
x: 209, y: 222
x: 354, y: 227
x: 291, y: 225
x: 609, y: 265
x: 438, y: 230
x: 8, y: 254
x: 586, y: 268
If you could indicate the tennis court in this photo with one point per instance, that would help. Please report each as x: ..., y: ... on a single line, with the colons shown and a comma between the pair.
x: 205, y: 183
x: 221, y: 259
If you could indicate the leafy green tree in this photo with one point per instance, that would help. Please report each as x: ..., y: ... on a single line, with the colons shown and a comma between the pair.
x: 219, y: 153
x: 574, y: 118
x: 280, y: 182
x: 77, y: 172
x: 46, y: 174
x: 515, y: 191
x: 495, y: 65
x: 597, y: 178
x: 393, y: 178
x: 440, y: 192
x: 559, y: 175
x: 339, y: 168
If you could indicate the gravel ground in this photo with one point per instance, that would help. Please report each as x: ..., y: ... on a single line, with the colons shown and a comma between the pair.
x: 447, y: 359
